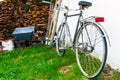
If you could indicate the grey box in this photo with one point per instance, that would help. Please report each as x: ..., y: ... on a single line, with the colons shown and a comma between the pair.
x: 23, y: 33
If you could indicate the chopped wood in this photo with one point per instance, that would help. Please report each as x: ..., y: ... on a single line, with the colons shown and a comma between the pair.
x: 13, y: 15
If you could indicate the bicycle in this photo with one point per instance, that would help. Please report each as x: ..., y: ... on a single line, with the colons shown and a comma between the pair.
x: 52, y: 21
x: 89, y: 42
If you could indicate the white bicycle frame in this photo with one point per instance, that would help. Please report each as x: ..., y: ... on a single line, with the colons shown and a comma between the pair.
x: 53, y: 23
x: 69, y: 42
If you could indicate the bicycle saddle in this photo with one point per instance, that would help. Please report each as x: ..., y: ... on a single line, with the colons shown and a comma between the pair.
x: 85, y: 3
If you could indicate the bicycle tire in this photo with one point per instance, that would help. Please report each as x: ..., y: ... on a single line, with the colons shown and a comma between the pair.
x: 90, y: 59
x: 60, y: 40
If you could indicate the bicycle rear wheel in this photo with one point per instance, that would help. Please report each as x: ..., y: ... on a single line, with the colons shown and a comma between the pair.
x: 91, y: 49
x: 60, y: 40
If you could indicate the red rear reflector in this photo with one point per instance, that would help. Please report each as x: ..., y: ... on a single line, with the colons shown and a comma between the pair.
x: 99, y: 19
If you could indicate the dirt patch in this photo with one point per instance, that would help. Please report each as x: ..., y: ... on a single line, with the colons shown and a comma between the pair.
x: 18, y: 58
x: 65, y: 69
x: 107, y: 72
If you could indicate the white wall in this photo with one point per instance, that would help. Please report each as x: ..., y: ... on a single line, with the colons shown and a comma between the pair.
x: 110, y: 10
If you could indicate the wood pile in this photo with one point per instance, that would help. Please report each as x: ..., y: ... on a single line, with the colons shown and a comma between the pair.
x: 32, y: 13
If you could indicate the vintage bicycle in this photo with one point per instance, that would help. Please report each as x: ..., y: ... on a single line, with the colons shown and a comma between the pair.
x: 52, y: 21
x: 89, y: 42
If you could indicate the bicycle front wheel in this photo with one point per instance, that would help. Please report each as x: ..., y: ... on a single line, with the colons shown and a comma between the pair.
x: 60, y: 40
x: 91, y: 49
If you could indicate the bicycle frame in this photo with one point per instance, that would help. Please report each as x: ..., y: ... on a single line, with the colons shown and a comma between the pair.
x: 79, y: 26
x: 71, y: 41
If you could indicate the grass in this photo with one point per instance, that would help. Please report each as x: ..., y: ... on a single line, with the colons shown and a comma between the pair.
x: 41, y: 62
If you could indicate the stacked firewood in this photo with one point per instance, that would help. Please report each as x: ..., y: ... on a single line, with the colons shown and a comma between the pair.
x: 31, y: 13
